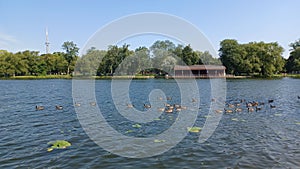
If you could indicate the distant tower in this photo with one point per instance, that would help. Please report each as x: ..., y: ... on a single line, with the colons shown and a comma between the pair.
x: 47, y: 41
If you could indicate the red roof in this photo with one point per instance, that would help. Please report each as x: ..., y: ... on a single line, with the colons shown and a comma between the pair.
x: 200, y: 67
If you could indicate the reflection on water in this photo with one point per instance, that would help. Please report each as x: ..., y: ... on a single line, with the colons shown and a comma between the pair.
x: 260, y: 139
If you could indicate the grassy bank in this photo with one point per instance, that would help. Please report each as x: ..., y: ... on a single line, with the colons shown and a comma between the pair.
x: 276, y: 76
x: 37, y: 77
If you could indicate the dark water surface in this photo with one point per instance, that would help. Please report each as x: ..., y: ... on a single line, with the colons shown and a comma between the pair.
x: 268, y: 138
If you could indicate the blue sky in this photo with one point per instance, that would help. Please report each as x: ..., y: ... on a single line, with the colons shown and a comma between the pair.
x: 23, y: 23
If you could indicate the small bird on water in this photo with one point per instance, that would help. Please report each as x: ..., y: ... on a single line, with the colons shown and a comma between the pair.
x: 58, y: 107
x: 39, y: 107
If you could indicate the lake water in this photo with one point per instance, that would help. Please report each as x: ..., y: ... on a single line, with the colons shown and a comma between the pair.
x: 268, y: 138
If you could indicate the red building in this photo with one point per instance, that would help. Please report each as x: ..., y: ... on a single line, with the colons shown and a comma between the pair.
x: 200, y: 71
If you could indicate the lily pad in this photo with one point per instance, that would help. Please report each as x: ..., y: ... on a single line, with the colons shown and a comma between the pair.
x: 58, y: 144
x: 235, y: 119
x: 136, y: 126
x: 159, y: 141
x: 129, y: 131
x: 194, y: 129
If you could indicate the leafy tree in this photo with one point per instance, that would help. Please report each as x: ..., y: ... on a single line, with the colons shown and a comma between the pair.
x: 231, y: 55
x: 71, y: 53
x: 293, y: 62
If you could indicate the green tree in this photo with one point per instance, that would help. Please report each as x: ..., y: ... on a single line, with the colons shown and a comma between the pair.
x: 293, y: 62
x: 71, y: 53
x: 231, y: 55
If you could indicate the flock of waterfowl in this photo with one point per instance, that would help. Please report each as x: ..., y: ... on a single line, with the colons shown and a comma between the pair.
x: 230, y: 107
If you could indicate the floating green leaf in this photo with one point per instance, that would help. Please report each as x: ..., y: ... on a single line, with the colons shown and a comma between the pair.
x: 136, y: 126
x: 58, y: 144
x: 194, y: 129
x: 159, y: 141
x: 129, y: 131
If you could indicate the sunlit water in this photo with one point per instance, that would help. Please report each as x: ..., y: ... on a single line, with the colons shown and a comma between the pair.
x: 268, y: 138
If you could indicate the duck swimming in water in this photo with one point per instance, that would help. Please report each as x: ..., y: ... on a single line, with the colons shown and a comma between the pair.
x: 58, y: 107
x: 39, y: 107
x: 147, y: 106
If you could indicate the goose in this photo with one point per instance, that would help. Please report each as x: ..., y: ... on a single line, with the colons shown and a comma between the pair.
x: 254, y: 103
x: 271, y: 101
x: 178, y: 109
x: 167, y: 105
x: 249, y: 105
x: 230, y: 105
x: 130, y: 105
x: 169, y: 111
x: 58, y: 107
x: 213, y: 99
x: 228, y: 110
x: 219, y: 111
x: 238, y: 109
x: 147, y: 106
x: 161, y: 109
x: 272, y: 106
x: 250, y: 109
x: 176, y: 105
x: 39, y: 107
x: 169, y: 98
x: 257, y: 108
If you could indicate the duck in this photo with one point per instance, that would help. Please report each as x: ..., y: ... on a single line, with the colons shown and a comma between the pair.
x: 176, y: 105
x: 130, y: 105
x: 230, y: 105
x: 147, y: 106
x: 257, y: 108
x: 219, y: 111
x: 272, y: 106
x: 228, y: 110
x: 167, y: 105
x: 250, y: 109
x: 169, y: 111
x: 58, y: 107
x: 271, y: 101
x: 39, y: 107
x: 213, y: 99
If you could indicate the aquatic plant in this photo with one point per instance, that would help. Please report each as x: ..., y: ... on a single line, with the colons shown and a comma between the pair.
x: 58, y: 144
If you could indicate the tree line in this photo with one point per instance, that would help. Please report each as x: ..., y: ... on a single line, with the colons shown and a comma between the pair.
x: 33, y: 63
x: 258, y: 58
x: 253, y: 58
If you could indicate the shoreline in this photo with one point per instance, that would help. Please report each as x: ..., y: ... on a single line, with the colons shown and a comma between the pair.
x: 144, y: 77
